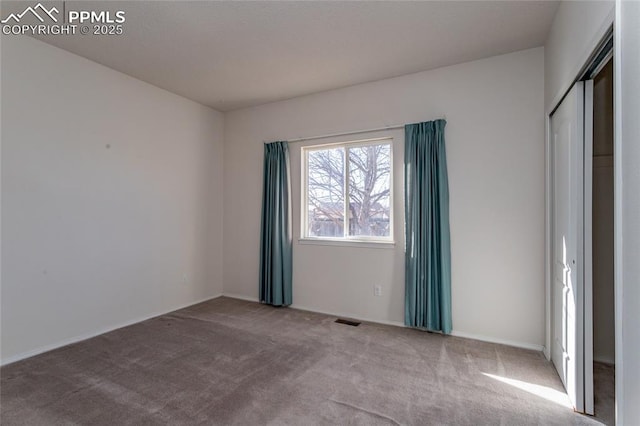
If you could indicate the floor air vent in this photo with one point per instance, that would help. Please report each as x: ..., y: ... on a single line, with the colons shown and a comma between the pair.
x: 347, y: 322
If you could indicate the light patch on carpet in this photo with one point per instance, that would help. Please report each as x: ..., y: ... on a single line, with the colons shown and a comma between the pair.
x: 545, y: 392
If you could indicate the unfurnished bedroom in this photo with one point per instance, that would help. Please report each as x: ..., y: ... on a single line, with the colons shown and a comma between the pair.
x: 319, y: 213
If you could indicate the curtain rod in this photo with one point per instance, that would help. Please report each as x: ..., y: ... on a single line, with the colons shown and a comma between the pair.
x: 353, y: 132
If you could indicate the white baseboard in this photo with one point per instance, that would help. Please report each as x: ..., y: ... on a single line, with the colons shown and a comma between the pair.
x: 75, y: 339
x: 456, y: 333
x: 348, y: 315
x: 319, y: 311
x: 89, y: 335
x: 240, y: 297
x: 523, y: 345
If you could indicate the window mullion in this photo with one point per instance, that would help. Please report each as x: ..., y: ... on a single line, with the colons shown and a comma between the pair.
x: 346, y: 193
x: 305, y: 196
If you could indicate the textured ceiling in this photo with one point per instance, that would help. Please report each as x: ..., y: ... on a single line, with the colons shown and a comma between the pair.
x: 230, y: 55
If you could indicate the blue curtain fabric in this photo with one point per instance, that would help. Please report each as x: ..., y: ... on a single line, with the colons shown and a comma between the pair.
x: 428, y: 252
x: 276, y: 240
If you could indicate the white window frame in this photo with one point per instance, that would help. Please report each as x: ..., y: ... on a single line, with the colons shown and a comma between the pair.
x: 361, y: 239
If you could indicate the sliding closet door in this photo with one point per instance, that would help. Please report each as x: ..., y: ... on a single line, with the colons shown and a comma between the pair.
x: 570, y: 337
x: 587, y: 242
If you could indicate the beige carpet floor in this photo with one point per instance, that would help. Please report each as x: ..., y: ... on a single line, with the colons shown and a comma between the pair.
x: 232, y: 362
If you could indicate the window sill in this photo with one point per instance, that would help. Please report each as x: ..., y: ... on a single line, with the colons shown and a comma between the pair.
x: 348, y: 243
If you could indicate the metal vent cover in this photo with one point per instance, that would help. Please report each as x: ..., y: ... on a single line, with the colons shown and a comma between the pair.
x: 347, y: 322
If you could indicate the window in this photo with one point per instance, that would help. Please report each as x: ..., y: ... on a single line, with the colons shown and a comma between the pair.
x: 347, y: 191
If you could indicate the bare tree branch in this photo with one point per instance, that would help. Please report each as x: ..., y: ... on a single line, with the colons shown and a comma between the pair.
x: 368, y: 193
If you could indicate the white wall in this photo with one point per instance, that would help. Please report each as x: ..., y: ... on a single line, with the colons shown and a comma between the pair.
x: 111, y: 194
x: 627, y: 94
x: 495, y: 149
x: 577, y: 28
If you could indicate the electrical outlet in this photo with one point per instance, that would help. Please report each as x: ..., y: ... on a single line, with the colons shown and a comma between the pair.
x: 377, y: 290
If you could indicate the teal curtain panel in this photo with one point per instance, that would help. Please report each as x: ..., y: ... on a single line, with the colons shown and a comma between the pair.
x: 276, y: 240
x: 428, y: 246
